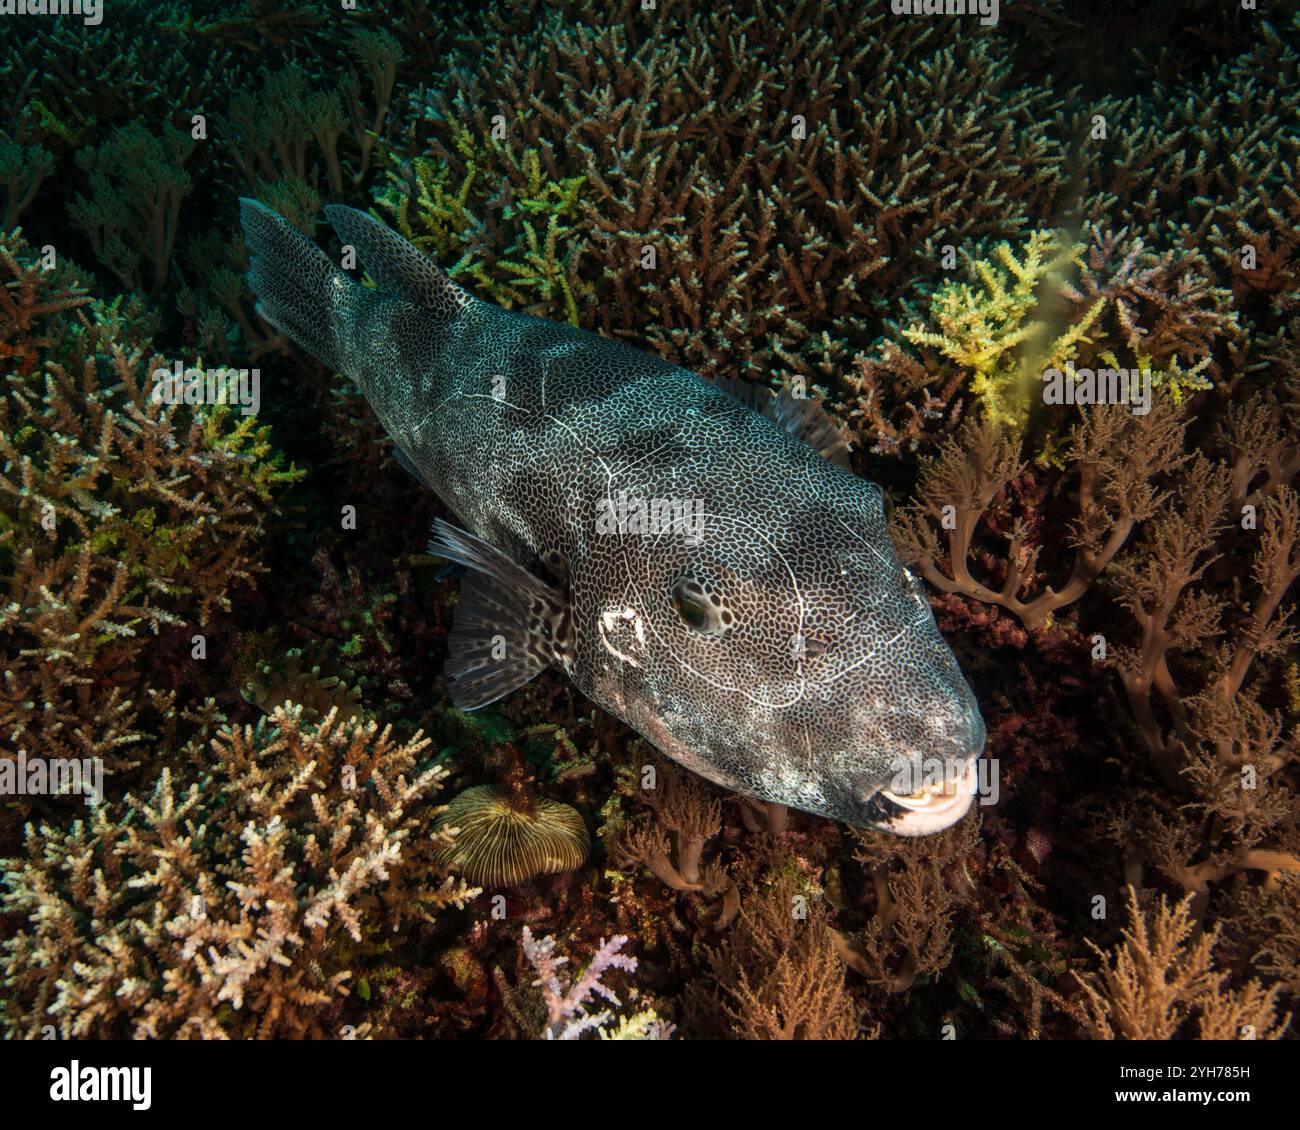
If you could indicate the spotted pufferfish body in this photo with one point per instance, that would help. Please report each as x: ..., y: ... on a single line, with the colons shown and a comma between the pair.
x: 698, y: 559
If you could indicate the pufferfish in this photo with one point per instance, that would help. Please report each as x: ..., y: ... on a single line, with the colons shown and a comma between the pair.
x: 699, y: 559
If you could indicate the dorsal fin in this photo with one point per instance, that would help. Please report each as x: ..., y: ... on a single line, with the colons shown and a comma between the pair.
x: 396, y: 265
x: 804, y: 419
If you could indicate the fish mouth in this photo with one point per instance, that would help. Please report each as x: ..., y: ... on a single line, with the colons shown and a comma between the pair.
x: 931, y: 809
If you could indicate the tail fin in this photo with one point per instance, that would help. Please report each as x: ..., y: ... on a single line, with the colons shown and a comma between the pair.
x: 295, y: 283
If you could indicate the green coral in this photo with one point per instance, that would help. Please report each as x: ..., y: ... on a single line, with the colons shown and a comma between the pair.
x: 441, y: 215
x: 1019, y: 314
x: 137, y: 185
x: 22, y: 169
x: 991, y: 326
x: 248, y: 445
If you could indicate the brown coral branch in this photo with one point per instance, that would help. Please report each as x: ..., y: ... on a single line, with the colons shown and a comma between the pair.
x: 1162, y: 975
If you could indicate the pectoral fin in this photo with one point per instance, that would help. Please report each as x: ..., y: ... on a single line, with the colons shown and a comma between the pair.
x: 509, y: 624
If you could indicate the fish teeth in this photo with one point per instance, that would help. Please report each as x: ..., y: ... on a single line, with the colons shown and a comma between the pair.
x: 934, y: 792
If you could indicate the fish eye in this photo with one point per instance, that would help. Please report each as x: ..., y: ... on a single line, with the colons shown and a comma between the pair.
x: 700, y: 606
x: 691, y: 611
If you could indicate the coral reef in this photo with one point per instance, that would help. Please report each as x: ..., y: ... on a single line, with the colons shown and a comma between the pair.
x: 686, y: 816
x: 137, y: 185
x: 1161, y: 976
x: 23, y: 168
x: 567, y: 1017
x: 783, y: 213
x: 235, y: 903
x: 1115, y: 455
x: 916, y: 885
x: 128, y: 524
x: 777, y: 975
x: 908, y: 221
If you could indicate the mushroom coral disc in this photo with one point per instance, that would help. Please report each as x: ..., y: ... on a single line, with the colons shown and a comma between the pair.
x: 500, y: 844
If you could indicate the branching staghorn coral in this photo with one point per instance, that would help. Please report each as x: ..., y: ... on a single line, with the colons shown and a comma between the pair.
x: 1161, y: 977
x: 988, y: 342
x: 364, y: 623
x: 231, y: 904
x: 28, y: 300
x: 77, y: 81
x: 1156, y: 311
x: 532, y: 267
x: 121, y: 517
x: 982, y: 331
x: 1183, y: 165
x: 806, y: 201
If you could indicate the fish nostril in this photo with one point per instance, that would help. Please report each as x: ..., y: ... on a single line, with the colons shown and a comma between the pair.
x: 814, y: 649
